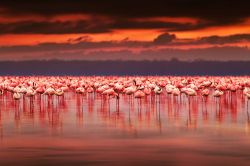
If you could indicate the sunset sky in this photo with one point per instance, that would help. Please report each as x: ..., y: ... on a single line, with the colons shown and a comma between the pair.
x: 125, y: 30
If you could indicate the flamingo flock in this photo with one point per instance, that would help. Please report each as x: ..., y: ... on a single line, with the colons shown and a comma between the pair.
x: 137, y: 87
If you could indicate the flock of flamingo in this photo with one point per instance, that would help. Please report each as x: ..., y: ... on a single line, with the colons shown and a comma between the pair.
x: 113, y: 86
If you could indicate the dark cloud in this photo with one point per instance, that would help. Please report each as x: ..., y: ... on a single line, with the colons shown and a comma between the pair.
x: 219, y: 12
x: 164, y: 38
x: 167, y: 39
x: 170, y: 26
x: 73, y: 45
x: 224, y: 39
x: 89, y: 26
x: 121, y: 15
x: 31, y: 27
x: 80, y: 39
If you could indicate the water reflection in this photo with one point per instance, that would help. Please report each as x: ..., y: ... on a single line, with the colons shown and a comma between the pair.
x: 152, y: 112
x: 81, y: 127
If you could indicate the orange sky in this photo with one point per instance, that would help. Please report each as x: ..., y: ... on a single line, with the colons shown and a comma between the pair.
x: 116, y: 34
x: 219, y: 30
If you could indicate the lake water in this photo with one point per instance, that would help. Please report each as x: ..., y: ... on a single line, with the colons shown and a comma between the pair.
x: 90, y: 130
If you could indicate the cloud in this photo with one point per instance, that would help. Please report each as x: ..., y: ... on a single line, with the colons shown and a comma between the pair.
x: 223, y: 10
x: 122, y: 15
x: 31, y: 27
x: 90, y: 26
x: 150, y: 24
x: 224, y: 39
x: 167, y: 39
x: 80, y: 39
x: 207, y: 54
x: 164, y: 38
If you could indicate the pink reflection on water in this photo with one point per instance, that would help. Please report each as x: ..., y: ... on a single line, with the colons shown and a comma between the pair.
x: 90, y: 128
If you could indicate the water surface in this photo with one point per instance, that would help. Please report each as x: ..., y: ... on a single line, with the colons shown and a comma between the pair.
x: 90, y: 130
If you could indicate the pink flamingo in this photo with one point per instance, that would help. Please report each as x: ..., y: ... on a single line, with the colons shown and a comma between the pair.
x: 17, y: 96
x: 139, y: 95
x: 218, y: 93
x: 205, y: 92
x: 190, y: 93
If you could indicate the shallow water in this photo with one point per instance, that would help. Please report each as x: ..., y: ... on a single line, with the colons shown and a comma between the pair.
x: 91, y: 130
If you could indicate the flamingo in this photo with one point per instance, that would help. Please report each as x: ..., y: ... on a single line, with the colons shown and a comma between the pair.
x: 65, y: 88
x: 118, y: 88
x: 157, y: 90
x: 205, y: 92
x: 17, y: 96
x: 23, y: 90
x: 218, y: 93
x: 50, y: 91
x: 30, y: 93
x: 108, y: 92
x: 80, y: 90
x: 102, y: 88
x: 90, y: 89
x: 139, y: 94
x: 169, y: 88
x: 207, y: 83
x: 190, y: 92
x: 246, y: 92
x: 130, y: 91
x: 176, y: 92
x: 147, y: 91
x: 40, y: 90
x: 59, y: 92
x: 111, y: 93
